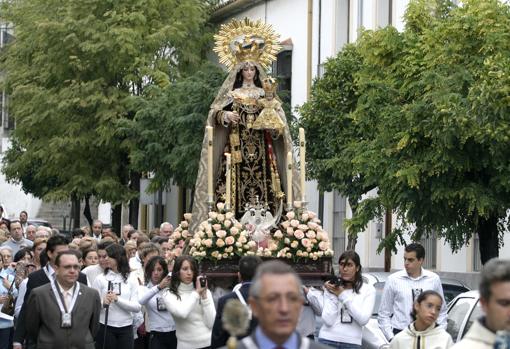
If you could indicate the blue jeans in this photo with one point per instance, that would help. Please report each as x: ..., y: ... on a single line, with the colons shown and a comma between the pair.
x: 339, y: 345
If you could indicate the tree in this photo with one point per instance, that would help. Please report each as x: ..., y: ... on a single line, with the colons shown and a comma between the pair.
x: 169, y: 126
x: 72, y: 73
x: 423, y: 117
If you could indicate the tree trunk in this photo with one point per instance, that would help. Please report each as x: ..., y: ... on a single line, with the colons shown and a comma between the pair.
x: 135, y: 202
x: 117, y: 218
x: 488, y: 237
x: 352, y: 239
x: 75, y: 212
x: 86, y: 211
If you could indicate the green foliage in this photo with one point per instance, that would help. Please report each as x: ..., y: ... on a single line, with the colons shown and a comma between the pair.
x: 72, y: 73
x: 169, y: 127
x: 424, y: 117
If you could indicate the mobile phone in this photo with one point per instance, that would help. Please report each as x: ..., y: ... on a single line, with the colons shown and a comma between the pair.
x: 203, y: 281
x: 169, y: 275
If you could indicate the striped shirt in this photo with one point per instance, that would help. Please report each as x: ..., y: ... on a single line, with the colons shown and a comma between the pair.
x: 398, y: 297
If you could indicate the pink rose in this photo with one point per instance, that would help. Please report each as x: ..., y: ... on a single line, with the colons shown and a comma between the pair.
x: 290, y: 215
x: 303, y: 227
x: 305, y: 217
x: 278, y: 234
x: 294, y: 244
x: 220, y: 243
x: 323, y: 246
x: 310, y: 234
x: 220, y: 206
x: 185, y: 234
x: 208, y: 243
x: 176, y: 235
x: 213, y: 215
x: 221, y: 217
x: 216, y: 227
x: 311, y: 215
x: 313, y: 225
x: 294, y: 223
x: 187, y: 216
x: 229, y: 215
x: 285, y: 224
x: 227, y: 223
x: 290, y: 231
x: 299, y: 234
x: 229, y: 240
x: 305, y: 242
x: 184, y: 224
x: 221, y: 234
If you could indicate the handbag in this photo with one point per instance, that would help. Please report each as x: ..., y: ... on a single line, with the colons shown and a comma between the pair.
x: 8, y: 305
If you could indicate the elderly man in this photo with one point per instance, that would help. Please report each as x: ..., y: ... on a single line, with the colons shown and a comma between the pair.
x: 495, y: 301
x: 126, y: 230
x: 165, y: 230
x: 17, y: 241
x: 276, y: 301
x: 64, y: 313
x: 30, y: 232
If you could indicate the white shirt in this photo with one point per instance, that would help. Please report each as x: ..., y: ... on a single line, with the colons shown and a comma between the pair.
x: 345, y: 315
x: 121, y: 312
x: 67, y: 295
x: 158, y: 320
x: 92, y: 271
x: 135, y: 262
x: 398, y: 297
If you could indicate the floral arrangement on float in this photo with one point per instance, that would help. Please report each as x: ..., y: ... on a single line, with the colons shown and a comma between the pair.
x: 301, y: 237
x: 221, y: 237
x: 181, y: 234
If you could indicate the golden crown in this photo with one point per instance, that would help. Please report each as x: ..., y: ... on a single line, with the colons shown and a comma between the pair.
x: 246, y: 41
x: 269, y: 84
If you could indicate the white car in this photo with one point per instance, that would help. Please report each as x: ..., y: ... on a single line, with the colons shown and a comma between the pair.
x: 462, y: 312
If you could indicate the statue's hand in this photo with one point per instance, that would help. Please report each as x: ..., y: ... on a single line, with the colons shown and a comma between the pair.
x: 231, y: 117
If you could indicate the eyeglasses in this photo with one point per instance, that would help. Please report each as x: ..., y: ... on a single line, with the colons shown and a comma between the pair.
x: 72, y: 266
x: 290, y: 298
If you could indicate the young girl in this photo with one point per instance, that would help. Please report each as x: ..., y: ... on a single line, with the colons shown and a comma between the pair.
x: 424, y: 333
x: 190, y: 304
x: 121, y: 297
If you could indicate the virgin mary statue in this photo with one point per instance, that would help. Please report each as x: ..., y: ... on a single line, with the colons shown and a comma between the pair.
x: 258, y: 146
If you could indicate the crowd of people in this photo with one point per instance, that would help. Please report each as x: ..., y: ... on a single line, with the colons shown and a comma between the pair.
x: 94, y: 290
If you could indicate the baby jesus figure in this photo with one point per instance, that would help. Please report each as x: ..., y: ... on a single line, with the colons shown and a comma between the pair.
x: 269, y: 117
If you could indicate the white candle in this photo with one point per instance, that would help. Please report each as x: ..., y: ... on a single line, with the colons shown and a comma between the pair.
x: 209, y: 163
x: 302, y: 162
x: 228, y: 181
x: 289, y: 179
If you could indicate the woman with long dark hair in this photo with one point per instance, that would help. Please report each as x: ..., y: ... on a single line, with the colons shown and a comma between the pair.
x: 424, y: 332
x: 120, y: 299
x: 190, y: 304
x: 348, y: 305
x: 160, y: 324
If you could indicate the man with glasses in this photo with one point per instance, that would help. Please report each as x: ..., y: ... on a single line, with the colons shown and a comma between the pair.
x: 64, y: 313
x: 276, y: 301
x: 41, y: 277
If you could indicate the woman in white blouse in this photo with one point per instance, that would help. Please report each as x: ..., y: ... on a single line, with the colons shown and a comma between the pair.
x: 160, y: 323
x: 190, y: 304
x: 348, y: 305
x: 119, y: 295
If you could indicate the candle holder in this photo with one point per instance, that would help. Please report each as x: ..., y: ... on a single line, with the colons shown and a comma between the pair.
x: 303, y: 204
x: 210, y: 203
x: 227, y: 207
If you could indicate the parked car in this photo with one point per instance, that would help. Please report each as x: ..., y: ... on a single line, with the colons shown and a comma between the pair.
x: 372, y: 337
x: 38, y: 222
x: 462, y: 312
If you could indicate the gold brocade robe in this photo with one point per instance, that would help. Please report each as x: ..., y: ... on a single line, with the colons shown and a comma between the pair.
x: 254, y: 173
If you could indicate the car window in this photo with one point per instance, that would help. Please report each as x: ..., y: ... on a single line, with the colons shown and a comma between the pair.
x: 379, y: 287
x: 452, y: 291
x: 476, y: 313
x: 456, y: 315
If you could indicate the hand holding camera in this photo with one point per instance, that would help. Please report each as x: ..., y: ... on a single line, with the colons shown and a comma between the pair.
x: 202, y: 286
x: 335, y: 285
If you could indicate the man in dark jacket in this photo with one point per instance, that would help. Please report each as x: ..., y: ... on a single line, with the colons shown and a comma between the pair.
x: 54, y: 246
x: 247, y: 267
x: 64, y: 313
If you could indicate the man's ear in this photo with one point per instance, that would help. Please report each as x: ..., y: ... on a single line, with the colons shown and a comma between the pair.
x: 254, y: 306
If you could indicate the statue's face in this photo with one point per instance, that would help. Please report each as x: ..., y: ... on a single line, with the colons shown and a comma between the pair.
x: 248, y: 72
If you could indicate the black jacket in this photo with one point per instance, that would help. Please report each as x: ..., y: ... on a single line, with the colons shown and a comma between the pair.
x: 219, y: 335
